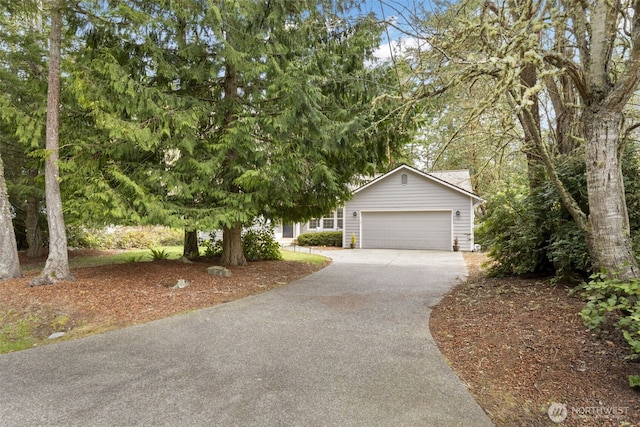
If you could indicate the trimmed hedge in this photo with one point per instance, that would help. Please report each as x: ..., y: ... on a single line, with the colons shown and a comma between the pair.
x: 321, y: 238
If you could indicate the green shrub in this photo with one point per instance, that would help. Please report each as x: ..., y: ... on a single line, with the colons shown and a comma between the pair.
x: 508, y: 231
x: 260, y: 244
x: 79, y: 237
x: 124, y: 237
x: 169, y: 236
x: 136, y: 239
x: 212, y: 247
x: 321, y: 238
x: 529, y: 231
x: 611, y: 299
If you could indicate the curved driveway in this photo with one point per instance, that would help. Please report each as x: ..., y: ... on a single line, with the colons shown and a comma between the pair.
x: 347, y: 346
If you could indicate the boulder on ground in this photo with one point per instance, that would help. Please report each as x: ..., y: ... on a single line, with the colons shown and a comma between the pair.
x: 217, y: 270
x: 181, y: 284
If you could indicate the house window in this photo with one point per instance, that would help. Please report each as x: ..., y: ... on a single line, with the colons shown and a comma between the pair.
x: 403, y: 179
x: 331, y: 221
x: 327, y: 221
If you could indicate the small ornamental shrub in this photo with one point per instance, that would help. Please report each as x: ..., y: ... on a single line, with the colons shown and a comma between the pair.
x: 260, y: 244
x: 614, y: 300
x: 212, y: 247
x: 321, y: 238
x: 137, y: 238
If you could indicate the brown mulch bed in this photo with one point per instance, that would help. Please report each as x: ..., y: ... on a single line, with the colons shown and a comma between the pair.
x: 520, y: 345
x: 115, y: 296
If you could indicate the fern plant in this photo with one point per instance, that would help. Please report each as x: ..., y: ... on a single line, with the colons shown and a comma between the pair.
x: 159, y: 254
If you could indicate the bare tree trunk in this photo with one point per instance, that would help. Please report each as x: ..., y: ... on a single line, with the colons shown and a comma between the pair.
x: 34, y: 233
x: 190, y: 248
x: 609, y: 242
x: 232, y: 253
x: 56, y: 268
x: 9, y: 261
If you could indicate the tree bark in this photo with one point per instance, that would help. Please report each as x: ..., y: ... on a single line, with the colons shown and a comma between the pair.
x: 530, y: 122
x: 34, y: 233
x: 56, y: 268
x: 609, y: 242
x: 232, y: 254
x: 9, y: 261
x: 190, y: 248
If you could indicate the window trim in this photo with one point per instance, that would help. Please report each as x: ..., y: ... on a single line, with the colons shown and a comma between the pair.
x: 334, y: 218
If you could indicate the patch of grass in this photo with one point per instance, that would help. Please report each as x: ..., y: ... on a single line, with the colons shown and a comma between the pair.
x: 302, y: 257
x: 60, y: 322
x: 17, y: 333
x: 135, y: 258
x: 171, y: 252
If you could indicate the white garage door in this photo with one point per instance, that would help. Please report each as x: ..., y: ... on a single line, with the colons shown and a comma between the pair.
x: 406, y: 230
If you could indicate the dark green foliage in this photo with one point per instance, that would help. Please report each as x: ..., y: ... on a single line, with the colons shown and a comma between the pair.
x: 259, y: 244
x: 530, y: 232
x: 212, y: 247
x: 612, y: 300
x: 506, y: 231
x: 567, y: 251
x: 217, y: 112
x: 321, y: 238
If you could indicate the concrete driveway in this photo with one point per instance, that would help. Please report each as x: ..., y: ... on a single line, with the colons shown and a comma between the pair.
x: 347, y: 346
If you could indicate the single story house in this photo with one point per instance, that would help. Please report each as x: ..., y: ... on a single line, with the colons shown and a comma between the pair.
x: 403, y: 209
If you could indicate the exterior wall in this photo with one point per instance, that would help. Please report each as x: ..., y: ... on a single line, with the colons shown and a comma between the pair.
x: 418, y: 194
x: 304, y: 227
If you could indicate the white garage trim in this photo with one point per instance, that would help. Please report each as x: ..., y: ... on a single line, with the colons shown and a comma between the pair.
x: 406, y: 229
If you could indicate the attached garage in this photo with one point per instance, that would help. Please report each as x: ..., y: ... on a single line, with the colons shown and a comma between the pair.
x: 406, y: 230
x: 409, y: 209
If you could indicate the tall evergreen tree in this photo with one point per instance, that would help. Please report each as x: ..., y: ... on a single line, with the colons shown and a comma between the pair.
x: 218, y: 112
x: 56, y: 268
x: 22, y: 113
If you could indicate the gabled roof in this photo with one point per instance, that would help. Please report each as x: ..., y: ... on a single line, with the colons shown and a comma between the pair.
x: 458, y: 180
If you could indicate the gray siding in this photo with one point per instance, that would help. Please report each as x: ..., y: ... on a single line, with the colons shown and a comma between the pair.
x: 418, y: 194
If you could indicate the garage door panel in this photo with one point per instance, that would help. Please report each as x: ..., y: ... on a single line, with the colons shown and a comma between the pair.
x: 406, y: 230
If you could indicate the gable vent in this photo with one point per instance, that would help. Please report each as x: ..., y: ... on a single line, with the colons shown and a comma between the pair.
x: 404, y: 178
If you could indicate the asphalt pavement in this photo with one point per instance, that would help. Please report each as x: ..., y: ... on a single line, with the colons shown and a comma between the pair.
x: 346, y: 346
